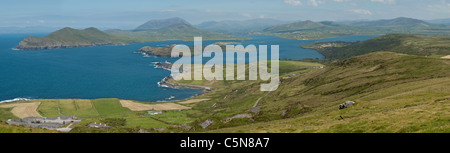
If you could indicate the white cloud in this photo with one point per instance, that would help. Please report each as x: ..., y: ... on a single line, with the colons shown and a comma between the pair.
x: 315, y: 2
x: 362, y: 11
x: 293, y: 2
x: 384, y: 1
x: 41, y: 21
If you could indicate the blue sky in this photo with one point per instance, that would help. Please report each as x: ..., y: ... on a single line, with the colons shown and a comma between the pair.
x: 128, y: 14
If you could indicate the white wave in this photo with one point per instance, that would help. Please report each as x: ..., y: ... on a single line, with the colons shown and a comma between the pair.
x: 164, y: 86
x: 171, y: 97
x: 15, y: 100
x: 14, y: 49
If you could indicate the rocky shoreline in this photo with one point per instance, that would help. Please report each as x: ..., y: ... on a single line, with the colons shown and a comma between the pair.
x: 168, y: 81
x: 166, y: 65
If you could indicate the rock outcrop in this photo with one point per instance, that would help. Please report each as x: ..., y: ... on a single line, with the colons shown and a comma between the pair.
x: 346, y: 104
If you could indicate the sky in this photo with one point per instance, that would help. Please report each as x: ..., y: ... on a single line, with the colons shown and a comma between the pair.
x: 128, y: 14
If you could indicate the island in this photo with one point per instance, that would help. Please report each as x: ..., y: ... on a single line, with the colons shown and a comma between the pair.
x: 69, y: 38
x: 167, y: 50
x: 154, y: 30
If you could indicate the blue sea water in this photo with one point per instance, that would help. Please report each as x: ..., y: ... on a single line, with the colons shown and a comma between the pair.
x: 108, y: 71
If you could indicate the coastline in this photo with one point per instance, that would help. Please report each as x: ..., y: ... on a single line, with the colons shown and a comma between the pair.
x: 169, y: 82
x: 53, y: 47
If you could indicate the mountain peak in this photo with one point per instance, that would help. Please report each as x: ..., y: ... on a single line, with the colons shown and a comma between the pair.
x: 161, y: 23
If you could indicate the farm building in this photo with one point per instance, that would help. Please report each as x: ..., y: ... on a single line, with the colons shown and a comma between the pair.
x: 154, y: 112
x: 43, y: 122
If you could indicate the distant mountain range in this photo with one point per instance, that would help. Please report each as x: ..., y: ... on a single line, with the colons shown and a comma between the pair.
x: 440, y: 21
x: 317, y: 30
x: 177, y: 28
x: 154, y: 30
x: 422, y: 45
x: 237, y: 26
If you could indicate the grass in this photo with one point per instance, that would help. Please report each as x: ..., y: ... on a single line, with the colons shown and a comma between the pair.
x: 422, y: 45
x: 109, y: 106
x: 408, y: 94
x: 49, y: 108
x: 5, y: 114
x: 5, y: 128
x: 393, y: 93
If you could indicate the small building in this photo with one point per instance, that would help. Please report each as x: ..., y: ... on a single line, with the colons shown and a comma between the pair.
x: 43, y: 122
x: 95, y: 125
x: 154, y: 112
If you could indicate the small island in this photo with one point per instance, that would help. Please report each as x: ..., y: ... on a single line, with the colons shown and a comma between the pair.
x: 70, y: 38
x: 167, y: 50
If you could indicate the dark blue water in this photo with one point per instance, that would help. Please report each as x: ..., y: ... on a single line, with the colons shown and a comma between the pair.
x: 107, y: 71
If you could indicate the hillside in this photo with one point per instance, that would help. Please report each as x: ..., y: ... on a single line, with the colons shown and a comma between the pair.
x: 310, y: 30
x: 162, y: 23
x: 382, y: 84
x: 393, y: 93
x: 325, y: 29
x: 237, y: 26
x: 422, y: 45
x: 397, y: 22
x: 179, y: 31
x: 68, y: 37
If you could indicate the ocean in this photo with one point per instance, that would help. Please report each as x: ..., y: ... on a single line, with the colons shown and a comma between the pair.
x: 110, y: 71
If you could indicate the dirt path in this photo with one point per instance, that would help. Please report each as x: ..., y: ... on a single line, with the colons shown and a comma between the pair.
x: 446, y: 57
x: 23, y: 110
x: 193, y: 101
x: 134, y: 106
x: 257, y: 101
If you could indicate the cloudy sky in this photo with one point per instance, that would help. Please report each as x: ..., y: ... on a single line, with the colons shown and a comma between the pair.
x: 130, y: 13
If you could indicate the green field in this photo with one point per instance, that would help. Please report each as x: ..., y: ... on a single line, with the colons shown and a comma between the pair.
x: 95, y: 110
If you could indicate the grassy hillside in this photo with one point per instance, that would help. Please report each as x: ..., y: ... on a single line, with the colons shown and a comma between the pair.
x: 393, y: 93
x: 317, y: 30
x: 422, y: 45
x: 306, y: 30
x: 240, y: 26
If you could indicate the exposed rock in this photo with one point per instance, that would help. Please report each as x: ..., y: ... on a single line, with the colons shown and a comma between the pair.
x: 143, y: 131
x: 167, y: 82
x: 346, y: 104
x: 185, y: 127
x: 100, y: 125
x: 206, y: 123
x: 238, y: 116
x: 283, y: 113
x: 157, y: 51
x: 255, y: 110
